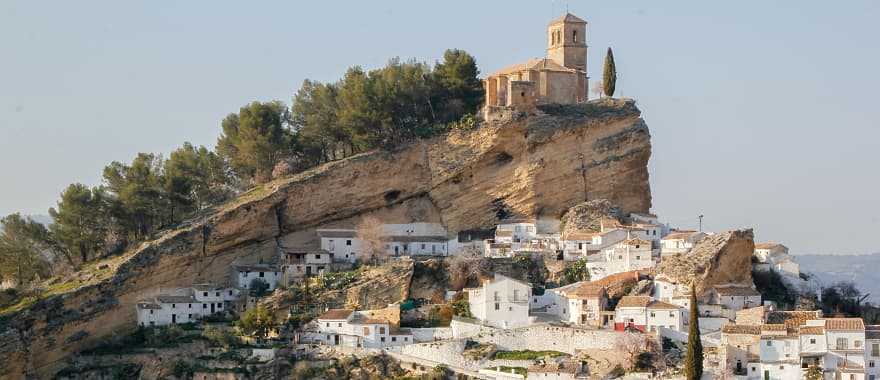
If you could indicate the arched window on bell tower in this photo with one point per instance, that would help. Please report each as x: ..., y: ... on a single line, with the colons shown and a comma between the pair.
x: 574, y: 36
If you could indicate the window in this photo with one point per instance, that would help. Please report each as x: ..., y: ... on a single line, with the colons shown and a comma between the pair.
x: 204, y: 294
x: 871, y: 364
x: 857, y: 343
x: 652, y: 315
x: 382, y: 339
x: 405, y: 339
x: 671, y: 315
x: 515, y: 295
x: 174, y: 306
x: 317, y: 256
x: 230, y: 292
x: 381, y: 330
x: 327, y: 324
x: 348, y: 242
x: 812, y: 340
x: 190, y: 306
x: 366, y: 331
x: 338, y: 324
x: 423, y: 245
x: 217, y: 294
x: 393, y: 338
x: 151, y: 311
x: 204, y: 306
x: 262, y: 274
x: 875, y: 349
x: 574, y: 36
x: 189, y: 316
x: 219, y: 305
x: 769, y: 343
x: 842, y: 343
x: 497, y: 306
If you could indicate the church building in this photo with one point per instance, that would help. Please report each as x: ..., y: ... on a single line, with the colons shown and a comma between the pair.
x: 560, y: 77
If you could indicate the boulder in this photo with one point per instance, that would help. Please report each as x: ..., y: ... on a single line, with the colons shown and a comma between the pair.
x: 720, y: 259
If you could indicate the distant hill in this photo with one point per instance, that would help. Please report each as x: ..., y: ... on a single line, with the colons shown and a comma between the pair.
x: 860, y: 269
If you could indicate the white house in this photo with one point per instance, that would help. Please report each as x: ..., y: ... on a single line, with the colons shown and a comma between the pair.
x: 501, y: 302
x: 345, y: 327
x: 735, y: 297
x: 579, y: 303
x: 779, y: 354
x: 185, y: 305
x: 679, y: 242
x: 246, y: 274
x: 412, y: 245
x: 776, y: 257
x: 628, y: 255
x: 645, y: 314
x: 342, y: 243
x: 298, y: 264
x: 516, y: 231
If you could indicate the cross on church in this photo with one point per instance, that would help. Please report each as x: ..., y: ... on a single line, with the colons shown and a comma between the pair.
x: 583, y: 169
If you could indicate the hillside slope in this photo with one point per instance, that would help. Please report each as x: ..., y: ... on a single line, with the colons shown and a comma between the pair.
x: 536, y: 166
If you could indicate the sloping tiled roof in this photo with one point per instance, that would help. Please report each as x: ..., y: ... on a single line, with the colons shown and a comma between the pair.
x: 741, y: 329
x: 769, y: 245
x: 539, y: 64
x: 336, y: 314
x: 634, y: 301
x: 845, y: 324
x: 581, y: 235
x: 660, y: 305
x: 679, y: 235
x: 773, y: 327
x: 811, y: 330
x: 417, y: 239
x: 586, y: 290
x: 742, y: 291
x: 792, y: 318
x: 569, y: 18
x: 632, y: 275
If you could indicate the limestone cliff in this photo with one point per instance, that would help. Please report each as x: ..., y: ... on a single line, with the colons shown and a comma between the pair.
x: 720, y: 259
x: 534, y: 166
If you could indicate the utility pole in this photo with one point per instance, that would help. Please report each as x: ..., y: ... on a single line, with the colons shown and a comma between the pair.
x: 583, y: 169
x: 701, y: 222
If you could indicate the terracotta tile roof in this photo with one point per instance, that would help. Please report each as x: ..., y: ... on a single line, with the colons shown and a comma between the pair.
x: 568, y: 17
x: 581, y: 235
x: 618, y: 277
x: 792, y: 318
x: 769, y: 245
x: 844, y: 324
x: 336, y: 314
x: 637, y: 241
x: 365, y: 320
x: 811, y: 330
x: 504, y: 233
x: 737, y: 291
x: 416, y: 239
x: 773, y: 327
x: 660, y: 305
x: 679, y: 235
x: 741, y: 329
x: 586, y: 290
x: 541, y: 64
x: 634, y: 301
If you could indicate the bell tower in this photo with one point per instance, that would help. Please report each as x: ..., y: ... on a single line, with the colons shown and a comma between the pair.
x: 567, y: 42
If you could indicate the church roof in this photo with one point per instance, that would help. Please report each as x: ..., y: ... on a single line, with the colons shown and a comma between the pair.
x: 538, y: 64
x: 568, y: 18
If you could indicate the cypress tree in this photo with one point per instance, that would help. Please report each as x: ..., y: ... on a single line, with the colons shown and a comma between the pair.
x: 609, y: 76
x: 693, y: 362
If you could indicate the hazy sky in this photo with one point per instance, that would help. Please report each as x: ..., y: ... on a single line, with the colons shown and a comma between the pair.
x: 762, y: 114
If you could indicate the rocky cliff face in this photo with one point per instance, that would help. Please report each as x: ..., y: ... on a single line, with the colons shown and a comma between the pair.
x: 720, y: 259
x: 535, y: 166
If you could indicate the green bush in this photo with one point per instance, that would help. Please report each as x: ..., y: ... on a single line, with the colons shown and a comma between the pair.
x: 527, y: 355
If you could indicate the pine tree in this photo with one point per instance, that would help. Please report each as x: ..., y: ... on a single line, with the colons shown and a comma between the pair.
x: 693, y: 362
x: 609, y: 76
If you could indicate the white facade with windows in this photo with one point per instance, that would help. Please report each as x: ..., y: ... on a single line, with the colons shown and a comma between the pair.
x: 679, y: 242
x: 343, y: 327
x: 184, y: 305
x: 246, y: 274
x: 502, y: 302
x: 342, y: 243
